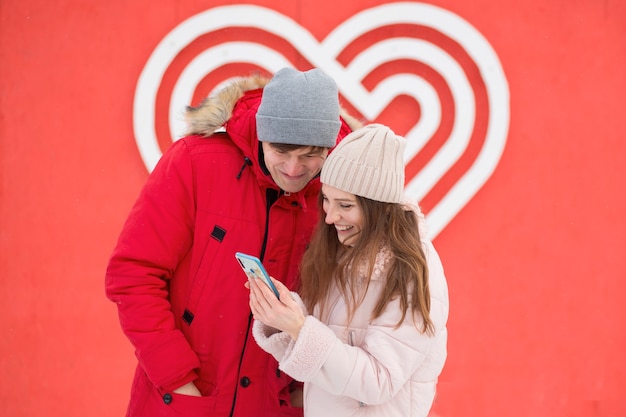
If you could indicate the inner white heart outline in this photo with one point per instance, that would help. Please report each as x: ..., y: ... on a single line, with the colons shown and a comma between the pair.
x: 370, y: 104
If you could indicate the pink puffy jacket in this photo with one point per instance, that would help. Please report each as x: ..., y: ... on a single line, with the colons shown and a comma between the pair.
x: 367, y: 367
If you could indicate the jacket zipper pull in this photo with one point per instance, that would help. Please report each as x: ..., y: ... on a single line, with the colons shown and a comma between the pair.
x: 246, y: 162
x: 351, y: 341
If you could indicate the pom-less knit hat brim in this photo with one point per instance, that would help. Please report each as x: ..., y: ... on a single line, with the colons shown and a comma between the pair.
x: 369, y: 162
x: 299, y: 108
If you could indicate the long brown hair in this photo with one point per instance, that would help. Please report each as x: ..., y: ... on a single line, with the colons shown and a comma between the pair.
x: 327, y: 262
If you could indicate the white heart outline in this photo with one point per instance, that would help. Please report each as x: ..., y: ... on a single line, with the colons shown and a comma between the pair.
x: 370, y: 104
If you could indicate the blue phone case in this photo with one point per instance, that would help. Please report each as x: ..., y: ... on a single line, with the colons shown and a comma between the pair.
x: 253, y: 268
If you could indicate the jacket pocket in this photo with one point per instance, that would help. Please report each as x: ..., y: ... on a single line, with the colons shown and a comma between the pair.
x: 146, y: 400
x: 184, y: 405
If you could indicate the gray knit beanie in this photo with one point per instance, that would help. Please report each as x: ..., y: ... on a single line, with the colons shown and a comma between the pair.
x: 368, y: 163
x: 299, y: 108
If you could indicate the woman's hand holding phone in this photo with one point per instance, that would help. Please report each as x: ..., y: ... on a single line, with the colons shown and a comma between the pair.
x: 283, y: 314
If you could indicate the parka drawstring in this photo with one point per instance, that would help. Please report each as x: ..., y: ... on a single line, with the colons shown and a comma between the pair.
x: 247, y: 162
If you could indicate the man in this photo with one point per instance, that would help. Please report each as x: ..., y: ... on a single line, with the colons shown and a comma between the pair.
x: 251, y: 187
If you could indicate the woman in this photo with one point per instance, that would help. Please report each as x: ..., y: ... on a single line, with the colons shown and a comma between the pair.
x: 374, y: 342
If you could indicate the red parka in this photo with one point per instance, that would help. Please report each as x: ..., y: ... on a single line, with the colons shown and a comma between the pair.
x: 174, y: 277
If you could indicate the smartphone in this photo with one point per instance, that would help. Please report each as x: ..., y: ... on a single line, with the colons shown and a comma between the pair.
x: 253, y: 268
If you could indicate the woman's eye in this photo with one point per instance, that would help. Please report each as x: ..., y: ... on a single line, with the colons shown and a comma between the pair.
x: 345, y: 206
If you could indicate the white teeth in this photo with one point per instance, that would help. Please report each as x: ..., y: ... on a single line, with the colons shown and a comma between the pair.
x: 343, y: 228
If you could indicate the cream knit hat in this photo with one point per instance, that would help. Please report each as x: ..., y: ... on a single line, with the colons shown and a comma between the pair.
x: 368, y: 163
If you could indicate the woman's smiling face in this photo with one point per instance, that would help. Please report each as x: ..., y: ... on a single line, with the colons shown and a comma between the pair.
x: 344, y: 212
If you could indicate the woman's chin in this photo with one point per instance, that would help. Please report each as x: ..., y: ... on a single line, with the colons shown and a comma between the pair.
x: 347, y: 240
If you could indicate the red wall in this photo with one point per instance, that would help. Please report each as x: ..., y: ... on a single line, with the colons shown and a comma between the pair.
x: 534, y: 259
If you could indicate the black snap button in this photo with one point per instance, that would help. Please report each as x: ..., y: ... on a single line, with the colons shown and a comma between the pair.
x: 294, y: 203
x: 167, y: 398
x: 245, y: 381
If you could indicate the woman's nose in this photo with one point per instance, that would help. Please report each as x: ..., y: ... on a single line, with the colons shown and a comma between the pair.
x: 331, y: 216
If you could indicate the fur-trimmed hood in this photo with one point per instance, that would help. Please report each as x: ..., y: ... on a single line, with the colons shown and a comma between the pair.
x: 216, y: 110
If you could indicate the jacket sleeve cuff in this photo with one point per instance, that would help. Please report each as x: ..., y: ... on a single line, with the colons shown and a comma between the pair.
x: 170, y: 362
x: 308, y: 353
x: 190, y: 377
x: 271, y: 340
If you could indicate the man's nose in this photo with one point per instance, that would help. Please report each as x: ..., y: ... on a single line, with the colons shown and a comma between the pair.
x: 292, y: 167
